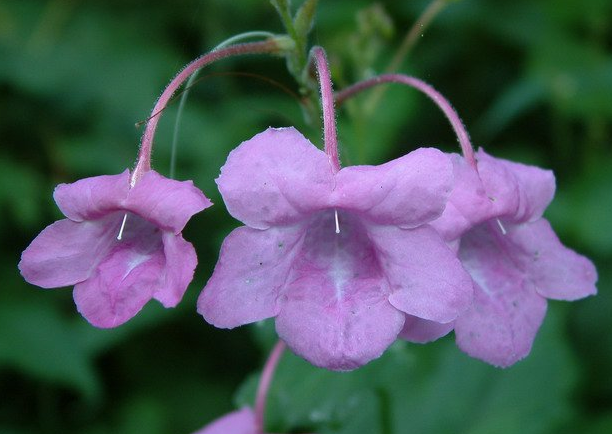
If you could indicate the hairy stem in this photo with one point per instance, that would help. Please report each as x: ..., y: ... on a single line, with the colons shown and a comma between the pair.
x: 191, y: 81
x: 144, y: 157
x: 448, y: 110
x: 330, y: 136
x: 264, y: 384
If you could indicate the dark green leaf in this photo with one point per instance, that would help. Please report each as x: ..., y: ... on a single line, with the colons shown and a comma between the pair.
x: 304, y: 19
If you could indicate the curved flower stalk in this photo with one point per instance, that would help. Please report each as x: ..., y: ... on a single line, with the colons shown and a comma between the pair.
x: 494, y: 221
x: 339, y: 259
x: 121, y: 242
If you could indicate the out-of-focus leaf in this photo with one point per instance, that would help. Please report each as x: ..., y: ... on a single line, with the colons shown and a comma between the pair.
x: 590, y: 332
x: 429, y: 390
x: 575, y: 75
x: 40, y: 342
x: 19, y: 193
x: 513, y: 102
x: 283, y: 7
x: 35, y: 339
x: 584, y: 208
x: 304, y: 18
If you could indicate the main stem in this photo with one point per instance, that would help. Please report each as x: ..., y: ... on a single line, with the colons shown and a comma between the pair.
x: 330, y: 136
x: 264, y: 384
x: 144, y: 157
x: 446, y: 107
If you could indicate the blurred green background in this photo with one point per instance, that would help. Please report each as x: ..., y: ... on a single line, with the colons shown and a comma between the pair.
x: 532, y: 80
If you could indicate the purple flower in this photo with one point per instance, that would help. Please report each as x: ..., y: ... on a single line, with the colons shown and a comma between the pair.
x: 237, y: 422
x: 340, y: 260
x: 494, y: 219
x: 119, y: 245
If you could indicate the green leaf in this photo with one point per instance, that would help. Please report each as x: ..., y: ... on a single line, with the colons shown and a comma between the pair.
x: 304, y: 19
x: 579, y: 210
x: 37, y: 340
x: 20, y: 193
x: 516, y: 100
x: 430, y: 389
x: 283, y: 7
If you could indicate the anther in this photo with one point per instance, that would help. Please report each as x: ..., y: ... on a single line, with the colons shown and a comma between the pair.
x: 337, y: 222
x: 122, y: 227
x: 501, y: 226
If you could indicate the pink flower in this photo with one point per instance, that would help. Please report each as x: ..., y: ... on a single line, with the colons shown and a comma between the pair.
x: 494, y: 219
x: 340, y: 260
x: 237, y: 422
x: 119, y: 245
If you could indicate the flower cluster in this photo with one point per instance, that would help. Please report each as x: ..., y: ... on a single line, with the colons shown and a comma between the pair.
x: 345, y: 260
x: 340, y: 260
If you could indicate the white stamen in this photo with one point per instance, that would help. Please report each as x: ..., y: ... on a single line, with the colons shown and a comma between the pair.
x: 503, y: 229
x: 122, y: 227
x: 337, y: 222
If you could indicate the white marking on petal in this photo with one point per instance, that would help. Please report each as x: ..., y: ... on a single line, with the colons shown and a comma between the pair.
x: 340, y: 270
x: 135, y: 260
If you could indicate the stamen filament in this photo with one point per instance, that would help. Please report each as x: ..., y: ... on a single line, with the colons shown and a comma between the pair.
x: 122, y: 227
x: 501, y: 227
x: 337, y: 222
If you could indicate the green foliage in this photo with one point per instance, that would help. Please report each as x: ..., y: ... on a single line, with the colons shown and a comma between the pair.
x: 426, y: 389
x: 531, y: 79
x: 304, y: 19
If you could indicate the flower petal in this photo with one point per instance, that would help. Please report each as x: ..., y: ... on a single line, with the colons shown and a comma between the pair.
x: 334, y: 310
x: 502, y: 323
x: 426, y: 278
x: 468, y: 203
x: 66, y: 252
x: 519, y: 193
x: 556, y: 271
x: 252, y: 268
x: 181, y: 261
x: 236, y: 422
x: 125, y: 280
x: 406, y: 192
x: 275, y: 178
x: 422, y: 331
x: 165, y: 202
x: 92, y: 198
x: 339, y: 333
